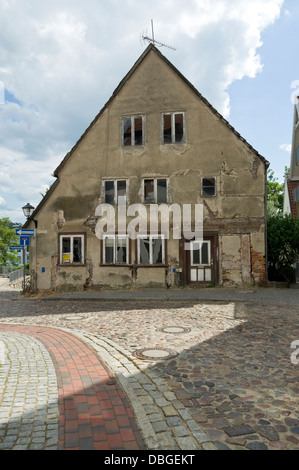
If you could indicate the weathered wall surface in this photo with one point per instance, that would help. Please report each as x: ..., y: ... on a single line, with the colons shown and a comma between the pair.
x: 236, y: 213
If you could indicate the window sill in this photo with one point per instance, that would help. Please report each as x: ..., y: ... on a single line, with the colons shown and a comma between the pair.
x: 118, y: 265
x: 71, y: 265
x: 152, y: 266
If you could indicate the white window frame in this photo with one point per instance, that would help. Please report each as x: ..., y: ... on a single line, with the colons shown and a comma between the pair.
x: 173, y: 114
x: 71, y: 253
x: 115, y: 181
x: 151, y: 238
x: 135, y: 116
x: 155, y: 180
x: 115, y: 238
x: 200, y: 254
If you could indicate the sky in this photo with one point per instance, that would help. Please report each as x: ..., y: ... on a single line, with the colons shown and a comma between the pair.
x: 60, y: 62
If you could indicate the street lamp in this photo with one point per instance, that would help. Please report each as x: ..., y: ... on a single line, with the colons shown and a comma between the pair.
x: 28, y: 211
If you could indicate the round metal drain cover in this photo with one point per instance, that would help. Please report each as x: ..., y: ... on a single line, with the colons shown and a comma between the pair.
x: 176, y: 330
x: 73, y: 317
x: 154, y: 353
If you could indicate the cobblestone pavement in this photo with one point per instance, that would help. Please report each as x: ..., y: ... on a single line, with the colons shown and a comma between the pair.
x: 229, y: 378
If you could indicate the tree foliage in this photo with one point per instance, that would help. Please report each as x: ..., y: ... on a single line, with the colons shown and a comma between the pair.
x: 7, y: 238
x: 275, y: 195
x: 283, y: 241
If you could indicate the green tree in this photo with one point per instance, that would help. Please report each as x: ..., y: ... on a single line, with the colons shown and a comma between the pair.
x: 275, y: 195
x: 283, y: 242
x: 7, y: 238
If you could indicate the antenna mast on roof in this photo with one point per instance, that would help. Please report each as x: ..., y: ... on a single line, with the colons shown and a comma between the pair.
x: 153, y: 41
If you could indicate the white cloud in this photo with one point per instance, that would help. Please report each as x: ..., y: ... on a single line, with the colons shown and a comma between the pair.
x: 2, y: 201
x: 62, y: 61
x: 286, y: 147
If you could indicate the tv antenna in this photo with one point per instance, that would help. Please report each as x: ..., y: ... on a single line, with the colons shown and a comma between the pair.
x: 153, y: 40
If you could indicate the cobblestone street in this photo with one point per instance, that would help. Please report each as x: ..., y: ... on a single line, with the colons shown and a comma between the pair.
x: 191, y: 374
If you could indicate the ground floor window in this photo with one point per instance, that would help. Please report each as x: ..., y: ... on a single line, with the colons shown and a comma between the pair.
x: 115, y: 249
x: 72, y: 249
x: 151, y: 249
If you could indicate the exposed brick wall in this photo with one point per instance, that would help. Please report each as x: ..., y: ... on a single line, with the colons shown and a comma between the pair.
x: 258, y: 267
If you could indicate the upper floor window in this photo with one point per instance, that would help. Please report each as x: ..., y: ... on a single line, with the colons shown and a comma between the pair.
x: 132, y: 129
x: 72, y: 249
x: 173, y: 128
x: 155, y: 190
x: 208, y: 186
x: 114, y: 189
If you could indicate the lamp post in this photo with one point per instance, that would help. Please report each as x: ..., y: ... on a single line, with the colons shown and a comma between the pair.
x: 28, y: 211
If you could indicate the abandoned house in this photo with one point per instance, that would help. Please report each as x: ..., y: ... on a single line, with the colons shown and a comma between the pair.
x: 156, y: 141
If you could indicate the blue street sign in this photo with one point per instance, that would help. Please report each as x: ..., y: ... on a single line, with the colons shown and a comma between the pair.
x: 25, y: 240
x: 20, y: 232
x: 20, y: 247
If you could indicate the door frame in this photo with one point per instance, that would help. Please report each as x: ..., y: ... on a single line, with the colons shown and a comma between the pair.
x: 185, y: 261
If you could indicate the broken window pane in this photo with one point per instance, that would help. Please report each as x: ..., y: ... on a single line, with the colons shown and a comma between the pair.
x: 157, y: 254
x: 109, y: 250
x: 127, y: 131
x: 167, y: 134
x: 144, y: 250
x: 179, y: 128
x: 121, y: 250
x: 138, y: 131
x: 121, y: 189
x: 208, y: 186
x: 77, y: 250
x: 109, y: 192
x: 149, y: 191
x: 161, y: 190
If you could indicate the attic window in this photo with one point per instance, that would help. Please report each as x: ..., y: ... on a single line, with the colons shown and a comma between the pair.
x: 208, y: 187
x: 173, y: 128
x: 132, y: 129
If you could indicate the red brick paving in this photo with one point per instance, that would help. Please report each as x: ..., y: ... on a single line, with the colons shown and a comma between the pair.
x: 93, y: 411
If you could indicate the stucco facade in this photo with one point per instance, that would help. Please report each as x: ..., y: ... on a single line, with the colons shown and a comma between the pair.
x: 157, y: 140
x: 291, y: 194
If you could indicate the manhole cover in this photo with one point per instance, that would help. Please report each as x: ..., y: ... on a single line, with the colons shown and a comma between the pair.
x: 155, y: 353
x: 74, y: 317
x: 177, y: 330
